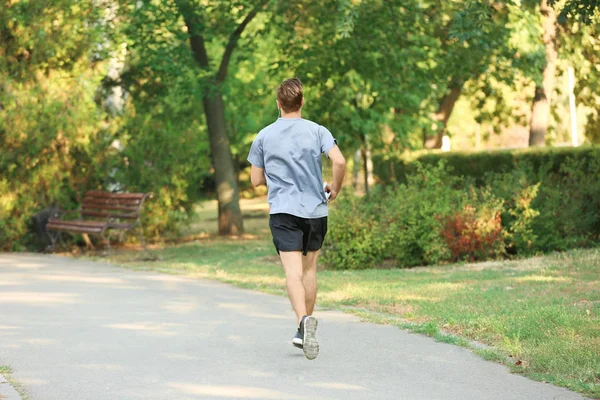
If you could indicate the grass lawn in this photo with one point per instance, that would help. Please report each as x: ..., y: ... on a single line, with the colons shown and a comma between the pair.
x: 540, y: 316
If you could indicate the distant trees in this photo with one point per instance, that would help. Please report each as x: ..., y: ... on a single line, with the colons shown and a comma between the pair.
x: 195, y: 81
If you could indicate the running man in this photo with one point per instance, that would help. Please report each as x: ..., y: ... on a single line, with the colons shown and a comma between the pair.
x: 286, y: 157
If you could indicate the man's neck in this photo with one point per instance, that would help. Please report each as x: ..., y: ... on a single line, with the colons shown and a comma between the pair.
x: 295, y: 114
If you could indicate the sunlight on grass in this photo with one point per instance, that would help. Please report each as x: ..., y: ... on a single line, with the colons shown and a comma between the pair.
x: 537, y: 278
x: 444, y: 286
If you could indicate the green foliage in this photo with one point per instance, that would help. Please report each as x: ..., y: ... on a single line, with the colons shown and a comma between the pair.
x: 358, y: 242
x: 521, y: 204
x: 165, y: 153
x: 580, y: 44
x: 417, y: 213
x: 162, y: 133
x: 374, y: 72
x: 57, y: 126
x: 52, y: 142
x: 584, y: 10
x: 518, y: 214
x: 435, y: 217
x: 569, y: 206
x: 50, y: 159
x: 391, y: 168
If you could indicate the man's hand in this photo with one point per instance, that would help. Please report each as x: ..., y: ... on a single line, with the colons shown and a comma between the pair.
x: 257, y: 176
x: 339, y: 170
x: 332, y: 192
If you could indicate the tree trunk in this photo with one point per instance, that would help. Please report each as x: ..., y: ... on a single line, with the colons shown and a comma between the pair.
x: 356, y: 169
x: 230, y: 215
x: 540, y: 112
x: 228, y: 196
x: 367, y: 164
x: 363, y: 153
x: 442, y: 115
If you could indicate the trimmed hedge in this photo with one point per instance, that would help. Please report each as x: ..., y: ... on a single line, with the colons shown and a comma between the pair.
x: 395, y: 169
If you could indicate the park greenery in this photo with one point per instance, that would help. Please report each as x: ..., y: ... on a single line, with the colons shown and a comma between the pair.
x: 499, y: 205
x: 166, y: 96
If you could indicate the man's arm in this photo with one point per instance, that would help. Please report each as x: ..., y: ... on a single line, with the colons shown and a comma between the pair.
x: 339, y: 170
x: 257, y: 176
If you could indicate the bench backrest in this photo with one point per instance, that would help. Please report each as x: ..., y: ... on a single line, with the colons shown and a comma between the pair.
x: 112, y: 205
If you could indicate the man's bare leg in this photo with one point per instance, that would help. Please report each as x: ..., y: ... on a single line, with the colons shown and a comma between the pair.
x: 309, y: 279
x: 292, y: 265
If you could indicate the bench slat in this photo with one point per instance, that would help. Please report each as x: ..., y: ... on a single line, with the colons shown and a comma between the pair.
x: 78, y: 222
x: 91, y: 206
x: 79, y: 226
x: 103, y: 200
x: 86, y: 224
x: 118, y: 225
x: 75, y: 229
x: 97, y: 193
x: 100, y: 214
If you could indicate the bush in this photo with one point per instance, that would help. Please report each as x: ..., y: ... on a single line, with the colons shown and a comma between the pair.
x: 438, y: 216
x: 435, y: 217
x: 475, y: 231
x: 52, y: 147
x: 391, y: 169
x: 416, y: 212
x: 569, y: 206
x: 355, y: 240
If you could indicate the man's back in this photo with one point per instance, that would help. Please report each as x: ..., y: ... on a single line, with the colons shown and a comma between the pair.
x: 290, y: 151
x: 286, y: 156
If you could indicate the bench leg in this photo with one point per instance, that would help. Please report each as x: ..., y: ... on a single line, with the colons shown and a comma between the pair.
x: 122, y: 237
x: 141, y: 236
x: 150, y: 254
x: 54, y: 237
x: 105, y: 235
x: 88, y: 243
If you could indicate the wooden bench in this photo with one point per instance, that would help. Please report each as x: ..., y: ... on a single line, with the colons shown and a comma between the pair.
x: 100, y: 213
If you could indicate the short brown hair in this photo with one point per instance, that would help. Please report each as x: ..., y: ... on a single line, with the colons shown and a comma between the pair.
x: 289, y: 95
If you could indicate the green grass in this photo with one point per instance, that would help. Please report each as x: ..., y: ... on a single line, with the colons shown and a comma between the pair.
x: 542, y: 313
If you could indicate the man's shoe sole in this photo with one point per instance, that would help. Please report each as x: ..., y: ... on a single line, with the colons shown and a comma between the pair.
x: 310, y: 344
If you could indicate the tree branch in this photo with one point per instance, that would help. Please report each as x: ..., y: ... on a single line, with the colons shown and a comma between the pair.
x: 233, y: 39
x: 194, y: 25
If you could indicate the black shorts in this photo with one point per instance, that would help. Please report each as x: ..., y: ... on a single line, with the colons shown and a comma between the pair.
x: 291, y: 233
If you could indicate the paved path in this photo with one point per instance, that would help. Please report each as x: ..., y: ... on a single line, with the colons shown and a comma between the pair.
x: 7, y: 392
x: 77, y: 330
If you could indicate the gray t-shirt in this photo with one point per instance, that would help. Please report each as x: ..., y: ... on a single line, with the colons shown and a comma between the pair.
x: 290, y: 152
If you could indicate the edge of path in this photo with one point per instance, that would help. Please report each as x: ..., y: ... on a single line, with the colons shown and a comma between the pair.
x: 7, y: 391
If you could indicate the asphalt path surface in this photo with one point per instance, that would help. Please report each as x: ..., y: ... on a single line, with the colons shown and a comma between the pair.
x: 72, y: 329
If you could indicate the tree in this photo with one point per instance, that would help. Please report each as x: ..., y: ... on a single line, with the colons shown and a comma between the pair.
x: 474, y: 45
x: 540, y: 112
x: 51, y: 137
x: 437, y: 49
x: 579, y: 46
x: 196, y: 20
x: 361, y: 75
